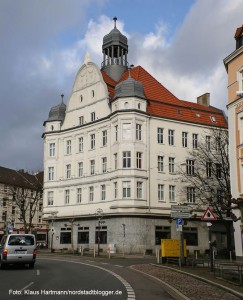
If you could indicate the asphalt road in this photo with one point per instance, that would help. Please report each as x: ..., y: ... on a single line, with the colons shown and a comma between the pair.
x: 75, y: 278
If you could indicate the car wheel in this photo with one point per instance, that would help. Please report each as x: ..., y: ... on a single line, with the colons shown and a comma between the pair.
x: 31, y: 265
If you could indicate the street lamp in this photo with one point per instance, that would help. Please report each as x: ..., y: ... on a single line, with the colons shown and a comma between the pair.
x: 99, y: 215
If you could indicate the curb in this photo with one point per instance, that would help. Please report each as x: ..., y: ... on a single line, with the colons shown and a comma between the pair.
x: 240, y: 295
x: 169, y: 289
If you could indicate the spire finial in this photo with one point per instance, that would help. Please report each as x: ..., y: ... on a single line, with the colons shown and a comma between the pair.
x: 62, y: 97
x: 115, y: 19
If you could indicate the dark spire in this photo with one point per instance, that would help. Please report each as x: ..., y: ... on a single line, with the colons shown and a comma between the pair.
x: 115, y: 51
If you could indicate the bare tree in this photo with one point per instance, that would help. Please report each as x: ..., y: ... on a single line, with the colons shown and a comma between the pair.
x: 25, y: 195
x: 206, y: 172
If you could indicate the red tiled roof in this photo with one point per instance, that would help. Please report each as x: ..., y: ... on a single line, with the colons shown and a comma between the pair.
x: 162, y: 103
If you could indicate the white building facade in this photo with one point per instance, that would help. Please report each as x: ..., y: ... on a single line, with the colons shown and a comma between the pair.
x: 111, y: 158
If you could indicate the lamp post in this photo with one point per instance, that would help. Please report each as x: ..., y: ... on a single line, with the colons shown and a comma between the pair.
x: 99, y: 215
x: 124, y: 235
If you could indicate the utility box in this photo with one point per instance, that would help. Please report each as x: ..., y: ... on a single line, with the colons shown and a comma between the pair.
x: 171, y: 248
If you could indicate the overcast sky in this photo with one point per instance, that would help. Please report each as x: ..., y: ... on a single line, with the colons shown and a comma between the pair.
x: 182, y: 43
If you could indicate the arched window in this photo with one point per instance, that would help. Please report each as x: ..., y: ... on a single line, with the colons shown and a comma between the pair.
x: 139, y: 105
x: 126, y: 105
x: 81, y: 98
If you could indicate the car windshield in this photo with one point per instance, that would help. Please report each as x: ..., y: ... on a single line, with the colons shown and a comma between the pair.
x: 26, y: 240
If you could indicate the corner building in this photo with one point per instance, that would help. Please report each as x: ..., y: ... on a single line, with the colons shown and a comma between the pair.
x: 234, y: 67
x: 111, y: 157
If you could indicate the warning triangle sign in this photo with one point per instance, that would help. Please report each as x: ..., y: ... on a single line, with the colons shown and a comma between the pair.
x: 208, y: 215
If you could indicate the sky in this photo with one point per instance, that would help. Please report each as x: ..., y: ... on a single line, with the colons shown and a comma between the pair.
x: 182, y: 43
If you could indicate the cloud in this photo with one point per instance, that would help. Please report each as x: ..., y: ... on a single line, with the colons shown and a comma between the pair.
x: 43, y: 44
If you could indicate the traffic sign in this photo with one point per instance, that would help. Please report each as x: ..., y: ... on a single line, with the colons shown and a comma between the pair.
x: 208, y: 215
x: 179, y: 221
x: 178, y: 214
x: 183, y: 208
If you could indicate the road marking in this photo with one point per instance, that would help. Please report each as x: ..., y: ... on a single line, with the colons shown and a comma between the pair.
x: 130, y: 291
x: 118, y: 266
x: 38, y: 272
x: 27, y: 286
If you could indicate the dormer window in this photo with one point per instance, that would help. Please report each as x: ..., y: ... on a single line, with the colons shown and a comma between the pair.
x: 213, y: 119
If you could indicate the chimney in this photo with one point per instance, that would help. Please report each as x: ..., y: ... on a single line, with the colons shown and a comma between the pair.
x: 204, y: 99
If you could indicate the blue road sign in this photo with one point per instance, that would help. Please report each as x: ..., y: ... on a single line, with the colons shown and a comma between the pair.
x: 179, y: 221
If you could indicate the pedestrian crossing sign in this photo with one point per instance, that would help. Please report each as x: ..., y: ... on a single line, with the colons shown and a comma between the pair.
x: 208, y: 215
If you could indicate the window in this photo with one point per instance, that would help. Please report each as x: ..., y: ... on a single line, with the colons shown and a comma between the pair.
x: 91, y: 193
x: 116, y: 133
x: 172, y: 193
x: 171, y: 137
x: 68, y: 171
x: 194, y: 141
x: 68, y: 147
x: 92, y: 116
x: 160, y: 192
x: 79, y: 195
x: 209, y: 169
x: 101, y: 234
x: 92, y: 141
x: 115, y: 161
x: 220, y: 197
x: 81, y: 144
x: 65, y: 237
x: 184, y: 139
x: 104, y: 138
x: 139, y: 160
x: 103, y: 192
x: 160, y: 136
x: 162, y: 232
x: 218, y: 170
x: 126, y: 105
x: 51, y: 173
x: 191, y: 195
x: 139, y: 190
x: 190, y: 235
x: 126, y: 189
x: 160, y: 163
x: 171, y: 165
x: 104, y: 164
x: 241, y: 77
x: 83, y: 235
x: 52, y: 149
x: 81, y: 98
x: 190, y: 167
x: 138, y: 132
x: 127, y: 159
x: 80, y: 169
x: 50, y: 196
x: 81, y: 120
x: 92, y: 167
x: 208, y: 143
x: 67, y: 197
x: 115, y: 190
x: 126, y: 131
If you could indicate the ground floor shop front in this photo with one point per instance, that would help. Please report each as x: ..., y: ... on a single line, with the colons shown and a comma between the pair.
x: 133, y: 234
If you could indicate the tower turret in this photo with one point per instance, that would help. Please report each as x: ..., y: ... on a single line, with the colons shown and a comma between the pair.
x: 115, y: 50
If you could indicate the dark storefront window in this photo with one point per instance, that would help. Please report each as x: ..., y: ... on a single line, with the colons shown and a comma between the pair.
x: 83, y: 235
x: 191, y: 236
x: 162, y: 232
x: 102, y: 233
x: 65, y: 237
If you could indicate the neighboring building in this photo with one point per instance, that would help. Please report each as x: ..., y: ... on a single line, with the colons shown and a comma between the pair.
x: 111, y: 157
x: 234, y: 67
x: 17, y: 187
